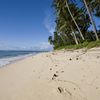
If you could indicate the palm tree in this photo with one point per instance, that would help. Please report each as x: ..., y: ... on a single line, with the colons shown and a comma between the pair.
x: 65, y: 24
x: 59, y: 5
x: 67, y: 5
x: 74, y: 35
x: 50, y: 40
x: 91, y: 19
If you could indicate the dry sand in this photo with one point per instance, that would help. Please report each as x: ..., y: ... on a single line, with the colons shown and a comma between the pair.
x: 60, y: 75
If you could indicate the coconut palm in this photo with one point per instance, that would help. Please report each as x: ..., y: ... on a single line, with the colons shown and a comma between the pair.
x: 50, y: 40
x: 89, y: 11
x: 65, y: 23
x: 67, y: 5
x: 59, y: 5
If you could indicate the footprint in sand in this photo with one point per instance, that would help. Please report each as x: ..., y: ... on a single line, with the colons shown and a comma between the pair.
x: 70, y: 91
x: 64, y: 91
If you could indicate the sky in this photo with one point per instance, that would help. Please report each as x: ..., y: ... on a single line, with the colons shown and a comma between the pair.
x: 25, y: 24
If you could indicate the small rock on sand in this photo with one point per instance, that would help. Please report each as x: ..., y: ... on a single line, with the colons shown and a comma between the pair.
x: 55, y: 75
x: 77, y: 58
x: 50, y: 68
x: 56, y: 65
x: 70, y: 59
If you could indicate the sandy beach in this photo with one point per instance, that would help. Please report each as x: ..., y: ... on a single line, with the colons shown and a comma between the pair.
x: 59, y: 75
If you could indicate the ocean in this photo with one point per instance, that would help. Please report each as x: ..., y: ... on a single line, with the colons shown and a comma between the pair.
x: 7, y: 57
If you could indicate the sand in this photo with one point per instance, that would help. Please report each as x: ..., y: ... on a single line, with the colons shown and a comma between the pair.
x: 59, y: 75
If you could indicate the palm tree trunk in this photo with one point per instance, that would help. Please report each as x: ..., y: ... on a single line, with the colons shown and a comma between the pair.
x: 63, y: 39
x: 76, y: 41
x: 91, y: 19
x: 74, y: 21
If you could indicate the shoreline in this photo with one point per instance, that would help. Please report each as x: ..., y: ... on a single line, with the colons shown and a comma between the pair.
x: 59, y: 75
x: 15, y: 59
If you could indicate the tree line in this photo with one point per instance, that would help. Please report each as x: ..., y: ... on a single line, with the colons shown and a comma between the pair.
x: 73, y: 21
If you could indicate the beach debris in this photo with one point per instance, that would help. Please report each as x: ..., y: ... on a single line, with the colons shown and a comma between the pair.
x: 56, y: 71
x: 98, y: 57
x: 47, y: 55
x: 70, y: 59
x: 50, y: 68
x: 54, y: 53
x: 54, y: 76
x: 56, y: 65
x: 77, y: 51
x: 74, y: 88
x: 97, y: 88
x: 62, y: 71
x: 77, y: 58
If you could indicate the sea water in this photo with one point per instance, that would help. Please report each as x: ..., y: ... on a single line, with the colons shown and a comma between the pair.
x: 7, y: 57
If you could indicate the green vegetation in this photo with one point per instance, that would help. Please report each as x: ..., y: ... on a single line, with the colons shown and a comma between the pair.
x: 86, y: 45
x: 73, y: 20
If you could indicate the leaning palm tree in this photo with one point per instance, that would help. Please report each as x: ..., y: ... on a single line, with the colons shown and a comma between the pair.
x: 65, y: 24
x: 50, y: 40
x: 59, y: 4
x: 74, y: 35
x: 67, y: 5
x: 91, y: 18
x: 66, y: 28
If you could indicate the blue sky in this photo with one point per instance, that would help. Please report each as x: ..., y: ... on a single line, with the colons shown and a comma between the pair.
x: 25, y: 24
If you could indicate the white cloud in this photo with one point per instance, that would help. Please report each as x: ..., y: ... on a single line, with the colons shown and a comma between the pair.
x: 45, y: 46
x: 9, y: 47
x: 40, y: 46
